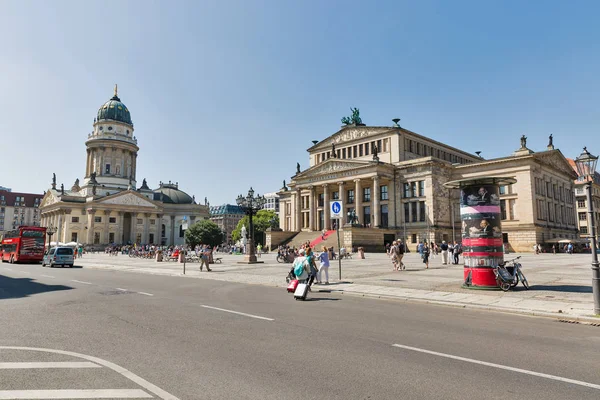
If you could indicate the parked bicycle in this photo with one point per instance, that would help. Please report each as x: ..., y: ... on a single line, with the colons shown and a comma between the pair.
x: 508, y: 275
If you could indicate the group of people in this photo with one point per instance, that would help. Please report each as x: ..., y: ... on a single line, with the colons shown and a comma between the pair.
x: 307, y: 259
x: 397, y: 249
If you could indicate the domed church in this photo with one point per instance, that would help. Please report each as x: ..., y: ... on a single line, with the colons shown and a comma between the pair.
x: 107, y: 207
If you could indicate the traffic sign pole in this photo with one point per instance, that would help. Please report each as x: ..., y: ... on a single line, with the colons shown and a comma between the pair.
x: 337, y: 210
x: 339, y: 248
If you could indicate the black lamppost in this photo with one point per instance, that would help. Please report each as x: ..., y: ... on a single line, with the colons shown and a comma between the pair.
x: 250, y: 205
x: 51, y: 230
x: 586, y: 168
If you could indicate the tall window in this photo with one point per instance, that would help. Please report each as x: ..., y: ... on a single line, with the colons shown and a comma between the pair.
x: 582, y: 216
x: 336, y: 195
x: 360, y: 150
x: 421, y: 188
x: 502, y: 189
x: 422, y: 212
x: 406, y: 190
x: 406, y: 212
x: 321, y: 199
x: 367, y: 194
x: 74, y: 237
x: 503, y: 209
x: 383, y: 192
x: 344, y: 153
x: 583, y: 229
x: 96, y: 237
x: 367, y: 215
x: 111, y: 237
x: 581, y: 203
x: 413, y: 186
x: 351, y: 196
x: 384, y: 216
x: 413, y: 210
x: 97, y: 219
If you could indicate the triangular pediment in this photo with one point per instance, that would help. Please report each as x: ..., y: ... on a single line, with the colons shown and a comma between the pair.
x: 349, y: 134
x: 555, y: 159
x: 128, y: 198
x: 332, y: 165
x: 48, y: 199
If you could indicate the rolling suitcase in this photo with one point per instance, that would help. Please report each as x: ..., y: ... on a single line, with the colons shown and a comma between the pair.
x: 292, y: 286
x: 301, y: 291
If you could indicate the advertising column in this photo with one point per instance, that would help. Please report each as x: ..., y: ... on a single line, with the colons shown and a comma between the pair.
x: 481, y: 229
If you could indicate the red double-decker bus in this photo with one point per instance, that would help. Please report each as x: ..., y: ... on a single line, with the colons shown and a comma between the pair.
x: 24, y: 244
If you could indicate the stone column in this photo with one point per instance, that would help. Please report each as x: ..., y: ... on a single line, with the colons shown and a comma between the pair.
x: 375, y: 210
x: 172, y: 240
x: 358, y: 201
x: 326, y: 218
x: 157, y: 235
x: 145, y: 236
x: 87, y: 163
x: 119, y: 239
x: 133, y: 165
x: 311, y: 209
x: 106, y: 225
x: 90, y: 226
x: 298, y: 209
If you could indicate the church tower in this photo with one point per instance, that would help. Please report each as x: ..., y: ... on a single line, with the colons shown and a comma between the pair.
x: 111, y: 150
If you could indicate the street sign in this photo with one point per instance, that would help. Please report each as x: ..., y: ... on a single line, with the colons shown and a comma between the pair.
x: 336, y: 208
x: 184, y: 226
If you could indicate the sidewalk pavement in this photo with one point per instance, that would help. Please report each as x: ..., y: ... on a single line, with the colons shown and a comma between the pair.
x: 560, y: 283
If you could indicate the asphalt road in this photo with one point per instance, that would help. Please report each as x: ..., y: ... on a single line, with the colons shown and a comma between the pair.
x: 206, y: 339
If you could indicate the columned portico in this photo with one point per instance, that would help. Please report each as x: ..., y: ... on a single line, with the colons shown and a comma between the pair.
x: 358, y: 200
x: 311, y: 208
x: 90, y: 226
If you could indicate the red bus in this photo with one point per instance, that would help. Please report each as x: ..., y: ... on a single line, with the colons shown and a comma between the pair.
x: 25, y: 244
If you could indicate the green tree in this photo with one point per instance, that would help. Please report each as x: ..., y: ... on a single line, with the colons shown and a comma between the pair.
x: 262, y: 220
x: 204, y: 232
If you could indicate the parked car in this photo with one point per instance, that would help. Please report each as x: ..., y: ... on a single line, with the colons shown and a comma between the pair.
x: 59, y: 256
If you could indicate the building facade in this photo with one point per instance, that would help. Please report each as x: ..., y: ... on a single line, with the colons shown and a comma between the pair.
x: 272, y: 202
x: 226, y: 217
x: 18, y: 209
x: 391, y: 182
x: 107, y: 208
x: 581, y: 203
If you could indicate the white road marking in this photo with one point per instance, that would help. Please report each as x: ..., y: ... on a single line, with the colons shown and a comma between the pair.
x: 146, y: 294
x: 47, y: 276
x: 500, y: 366
x: 8, y: 269
x: 239, y: 313
x: 84, y: 282
x: 32, y: 365
x: 118, y: 369
x: 74, y: 394
x: 121, y: 289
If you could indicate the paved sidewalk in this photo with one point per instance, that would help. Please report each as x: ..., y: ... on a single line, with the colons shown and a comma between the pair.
x: 560, y: 284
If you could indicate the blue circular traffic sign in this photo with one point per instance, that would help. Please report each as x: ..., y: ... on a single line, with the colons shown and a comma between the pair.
x: 336, y: 207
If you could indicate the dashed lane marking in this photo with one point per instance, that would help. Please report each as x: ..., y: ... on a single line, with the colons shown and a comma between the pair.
x: 47, y: 276
x: 500, y: 366
x: 121, y: 289
x: 88, y: 394
x: 84, y: 282
x: 8, y: 269
x: 74, y: 394
x: 32, y: 365
x: 146, y: 294
x: 239, y: 313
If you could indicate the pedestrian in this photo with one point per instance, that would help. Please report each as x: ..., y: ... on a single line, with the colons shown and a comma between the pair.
x: 323, y: 266
x: 456, y: 250
x: 310, y: 257
x: 425, y: 253
x: 554, y: 249
x: 444, y: 248
x: 204, y: 258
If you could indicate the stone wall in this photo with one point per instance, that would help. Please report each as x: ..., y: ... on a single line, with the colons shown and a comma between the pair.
x: 275, y: 238
x: 370, y: 239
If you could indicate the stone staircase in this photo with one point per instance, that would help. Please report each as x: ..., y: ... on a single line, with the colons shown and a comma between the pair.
x: 315, y: 239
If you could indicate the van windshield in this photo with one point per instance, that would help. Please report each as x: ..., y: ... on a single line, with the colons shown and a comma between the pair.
x: 64, y: 252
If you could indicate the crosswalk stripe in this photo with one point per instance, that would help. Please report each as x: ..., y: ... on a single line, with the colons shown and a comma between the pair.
x: 32, y: 365
x: 74, y: 394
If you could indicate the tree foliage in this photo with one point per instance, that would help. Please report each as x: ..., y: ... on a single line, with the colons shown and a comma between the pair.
x: 204, y: 232
x: 262, y: 220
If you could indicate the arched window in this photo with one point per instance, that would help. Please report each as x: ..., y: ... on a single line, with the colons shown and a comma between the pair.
x: 181, y: 231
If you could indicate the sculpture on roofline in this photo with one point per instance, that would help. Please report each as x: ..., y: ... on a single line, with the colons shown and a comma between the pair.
x: 354, y: 119
x: 297, y: 168
x: 523, y: 142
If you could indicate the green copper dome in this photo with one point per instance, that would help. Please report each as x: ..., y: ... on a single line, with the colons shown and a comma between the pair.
x: 114, y: 110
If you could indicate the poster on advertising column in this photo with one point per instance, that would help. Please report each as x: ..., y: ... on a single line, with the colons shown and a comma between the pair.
x: 481, y: 225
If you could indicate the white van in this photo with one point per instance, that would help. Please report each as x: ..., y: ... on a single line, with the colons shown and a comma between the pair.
x: 59, y: 256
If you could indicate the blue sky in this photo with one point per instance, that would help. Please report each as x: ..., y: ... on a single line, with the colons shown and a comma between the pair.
x: 229, y: 94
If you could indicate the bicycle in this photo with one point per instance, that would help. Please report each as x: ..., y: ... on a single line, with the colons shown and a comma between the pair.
x: 508, y: 277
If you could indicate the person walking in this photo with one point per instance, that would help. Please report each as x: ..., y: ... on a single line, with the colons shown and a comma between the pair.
x: 455, y: 252
x: 323, y: 266
x: 204, y: 258
x: 425, y: 251
x: 444, y: 248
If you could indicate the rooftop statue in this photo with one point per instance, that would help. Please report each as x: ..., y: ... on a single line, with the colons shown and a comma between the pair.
x: 333, y: 152
x: 354, y: 119
x: 53, y: 181
x: 297, y: 168
x: 550, y: 144
x: 523, y: 142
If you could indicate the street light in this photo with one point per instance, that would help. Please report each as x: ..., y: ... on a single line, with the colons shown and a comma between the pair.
x: 250, y: 205
x: 51, y: 230
x: 586, y: 167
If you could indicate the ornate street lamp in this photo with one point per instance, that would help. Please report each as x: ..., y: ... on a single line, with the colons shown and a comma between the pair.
x: 51, y: 230
x: 250, y: 205
x: 586, y: 167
